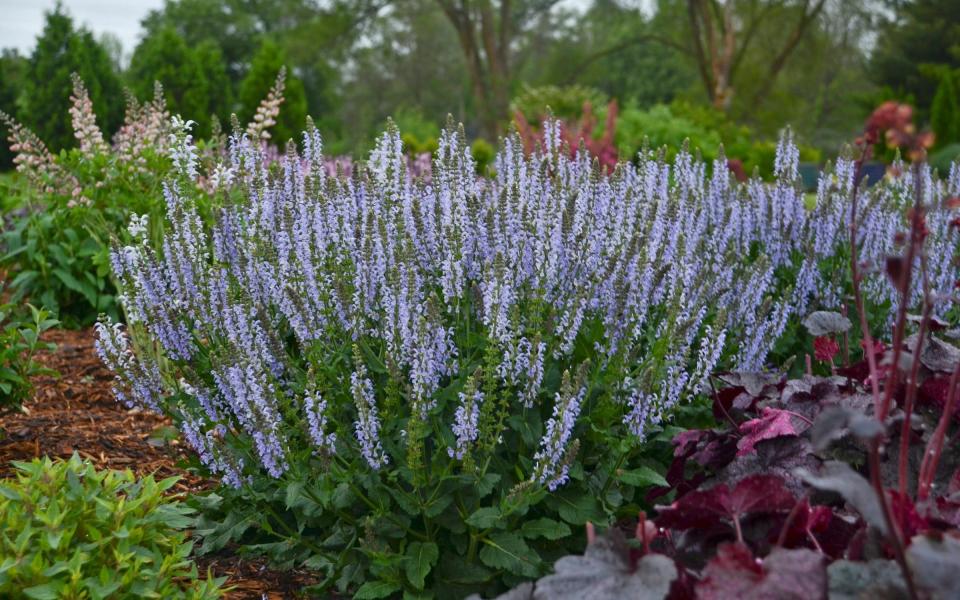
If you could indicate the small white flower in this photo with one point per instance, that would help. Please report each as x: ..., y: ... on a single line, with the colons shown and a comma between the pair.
x: 138, y: 225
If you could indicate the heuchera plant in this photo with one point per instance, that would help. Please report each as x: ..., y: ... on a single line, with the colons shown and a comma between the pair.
x: 422, y: 386
x: 834, y: 486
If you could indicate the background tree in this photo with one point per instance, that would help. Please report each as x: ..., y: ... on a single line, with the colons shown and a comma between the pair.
x: 194, y: 80
x: 13, y: 68
x: 60, y: 51
x: 945, y: 112
x: 918, y: 37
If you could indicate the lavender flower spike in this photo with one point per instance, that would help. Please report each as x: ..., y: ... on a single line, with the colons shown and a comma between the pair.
x: 552, y: 465
x: 367, y: 425
x: 316, y: 409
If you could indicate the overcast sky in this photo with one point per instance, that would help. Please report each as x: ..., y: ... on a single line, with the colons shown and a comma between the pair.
x: 21, y: 21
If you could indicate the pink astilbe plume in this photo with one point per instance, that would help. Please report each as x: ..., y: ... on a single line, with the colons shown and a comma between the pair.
x: 573, y: 134
x: 84, y: 120
x: 145, y: 126
x: 266, y: 115
x: 35, y: 161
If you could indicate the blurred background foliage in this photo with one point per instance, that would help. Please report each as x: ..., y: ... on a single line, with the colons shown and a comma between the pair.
x: 719, y: 72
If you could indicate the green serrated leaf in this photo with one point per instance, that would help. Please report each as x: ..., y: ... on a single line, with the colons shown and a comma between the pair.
x: 420, y: 558
x: 642, y: 477
x: 545, y: 528
x: 507, y: 550
x: 484, y: 518
x: 44, y: 591
x: 372, y: 590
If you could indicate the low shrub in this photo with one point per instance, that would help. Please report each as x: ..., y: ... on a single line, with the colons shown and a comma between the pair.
x: 70, y: 531
x: 19, y: 342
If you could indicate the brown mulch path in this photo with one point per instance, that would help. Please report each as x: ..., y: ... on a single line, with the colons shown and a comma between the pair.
x: 77, y: 413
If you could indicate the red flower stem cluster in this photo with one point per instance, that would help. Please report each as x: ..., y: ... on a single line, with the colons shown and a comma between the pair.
x: 874, y: 446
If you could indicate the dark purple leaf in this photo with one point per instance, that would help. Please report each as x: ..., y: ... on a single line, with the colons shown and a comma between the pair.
x: 834, y: 422
x: 780, y: 456
x: 756, y: 384
x: 604, y: 572
x: 876, y: 580
x: 784, y: 574
x: 838, y: 477
x: 935, y: 563
x: 703, y: 508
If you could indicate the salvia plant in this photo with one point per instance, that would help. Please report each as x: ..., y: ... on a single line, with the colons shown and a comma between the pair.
x: 420, y: 386
x: 838, y: 486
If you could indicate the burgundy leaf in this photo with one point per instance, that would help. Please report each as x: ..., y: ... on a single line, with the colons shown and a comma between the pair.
x: 717, y: 453
x: 703, y: 508
x: 772, y: 423
x: 784, y: 574
x: 895, y: 267
x: 685, y: 442
x: 817, y: 527
x: 933, y: 392
x: 825, y: 348
x: 723, y: 401
x: 945, y: 513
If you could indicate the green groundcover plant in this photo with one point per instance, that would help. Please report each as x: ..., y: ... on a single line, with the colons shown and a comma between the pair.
x: 70, y: 531
x: 422, y: 388
x: 19, y: 342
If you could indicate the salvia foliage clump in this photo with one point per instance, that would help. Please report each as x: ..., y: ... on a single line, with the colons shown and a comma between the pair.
x: 426, y: 384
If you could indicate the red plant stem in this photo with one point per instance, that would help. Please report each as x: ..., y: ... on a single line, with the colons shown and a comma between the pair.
x: 931, y: 455
x: 782, y: 538
x: 906, y: 273
x: 905, y: 430
x: 895, y: 535
x: 722, y: 407
x: 874, y: 449
x: 855, y: 276
x: 846, y: 339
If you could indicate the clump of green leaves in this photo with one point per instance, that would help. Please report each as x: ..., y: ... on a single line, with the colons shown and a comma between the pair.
x: 68, y: 530
x: 19, y: 342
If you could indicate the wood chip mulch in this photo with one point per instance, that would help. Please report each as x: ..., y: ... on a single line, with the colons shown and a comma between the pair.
x: 76, y: 412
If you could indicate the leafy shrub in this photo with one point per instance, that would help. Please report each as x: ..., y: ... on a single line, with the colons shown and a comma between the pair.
x: 423, y: 387
x: 70, y: 531
x: 564, y: 102
x: 706, y: 129
x: 19, y: 341
x: 483, y: 154
x: 77, y: 203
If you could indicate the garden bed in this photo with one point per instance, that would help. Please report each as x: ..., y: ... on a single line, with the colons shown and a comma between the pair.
x: 77, y: 413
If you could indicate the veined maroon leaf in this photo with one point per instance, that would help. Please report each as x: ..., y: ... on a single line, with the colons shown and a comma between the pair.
x: 772, y: 423
x: 784, y: 574
x: 817, y: 527
x: 703, y: 508
x: 825, y: 348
